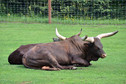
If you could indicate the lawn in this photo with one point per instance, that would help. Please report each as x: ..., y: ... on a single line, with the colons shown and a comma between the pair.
x: 111, y: 70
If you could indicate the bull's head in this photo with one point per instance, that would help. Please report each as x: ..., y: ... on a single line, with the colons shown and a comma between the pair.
x: 96, y: 46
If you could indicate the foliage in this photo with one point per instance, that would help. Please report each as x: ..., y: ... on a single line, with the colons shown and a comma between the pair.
x: 66, y: 9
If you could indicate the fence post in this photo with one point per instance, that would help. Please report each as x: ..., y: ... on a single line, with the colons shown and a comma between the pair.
x: 49, y: 11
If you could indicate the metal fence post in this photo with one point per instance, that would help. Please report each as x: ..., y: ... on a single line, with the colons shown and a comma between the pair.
x: 49, y: 11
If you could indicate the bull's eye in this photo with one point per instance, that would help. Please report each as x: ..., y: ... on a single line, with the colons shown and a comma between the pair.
x: 96, y: 48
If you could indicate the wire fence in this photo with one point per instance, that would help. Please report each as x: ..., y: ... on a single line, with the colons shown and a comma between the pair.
x: 63, y: 11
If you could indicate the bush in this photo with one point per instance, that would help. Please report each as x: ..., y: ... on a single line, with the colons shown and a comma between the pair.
x: 75, y: 9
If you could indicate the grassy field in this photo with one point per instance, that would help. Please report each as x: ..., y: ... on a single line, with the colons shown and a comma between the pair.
x: 111, y: 70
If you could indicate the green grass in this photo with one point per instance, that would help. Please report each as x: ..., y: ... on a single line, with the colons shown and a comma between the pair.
x: 111, y: 70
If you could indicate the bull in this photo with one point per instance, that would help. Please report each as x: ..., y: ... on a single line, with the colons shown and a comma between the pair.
x: 16, y: 56
x: 60, y: 55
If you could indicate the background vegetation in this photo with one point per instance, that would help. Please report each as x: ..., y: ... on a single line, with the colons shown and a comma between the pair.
x: 65, y: 9
x: 111, y: 70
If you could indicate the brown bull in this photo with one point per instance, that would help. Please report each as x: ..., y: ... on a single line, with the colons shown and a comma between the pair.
x: 58, y: 55
x: 16, y: 56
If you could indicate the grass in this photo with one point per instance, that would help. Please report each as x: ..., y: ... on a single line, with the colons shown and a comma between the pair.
x: 111, y: 70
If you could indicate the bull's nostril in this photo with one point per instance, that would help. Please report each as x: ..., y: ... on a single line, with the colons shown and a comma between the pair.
x: 103, y: 55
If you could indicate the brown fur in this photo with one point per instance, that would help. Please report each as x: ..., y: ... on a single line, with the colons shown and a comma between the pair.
x: 16, y: 56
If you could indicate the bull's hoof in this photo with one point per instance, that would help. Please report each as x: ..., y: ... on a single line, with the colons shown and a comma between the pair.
x: 74, y: 68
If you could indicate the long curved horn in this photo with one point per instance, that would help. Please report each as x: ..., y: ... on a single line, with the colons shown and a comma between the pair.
x: 79, y: 32
x: 60, y: 36
x: 106, y: 34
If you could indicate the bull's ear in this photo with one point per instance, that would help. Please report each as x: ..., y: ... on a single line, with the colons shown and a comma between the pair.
x: 56, y: 39
x: 86, y: 44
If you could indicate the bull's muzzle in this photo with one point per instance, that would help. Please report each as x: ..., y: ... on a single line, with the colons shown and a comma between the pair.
x: 103, y: 55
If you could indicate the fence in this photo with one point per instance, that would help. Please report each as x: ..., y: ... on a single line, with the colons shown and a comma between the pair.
x: 63, y: 11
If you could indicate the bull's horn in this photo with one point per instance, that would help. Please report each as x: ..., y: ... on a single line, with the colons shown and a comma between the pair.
x: 91, y: 39
x: 60, y: 36
x: 106, y: 34
x: 84, y: 38
x: 79, y: 32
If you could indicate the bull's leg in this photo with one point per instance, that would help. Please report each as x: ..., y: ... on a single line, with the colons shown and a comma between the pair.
x: 81, y: 62
x: 65, y: 67
x: 49, y: 68
x: 39, y: 64
x: 49, y: 63
x: 55, y: 64
x: 69, y: 67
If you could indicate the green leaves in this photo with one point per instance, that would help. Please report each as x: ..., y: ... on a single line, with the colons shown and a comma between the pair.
x: 76, y: 9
